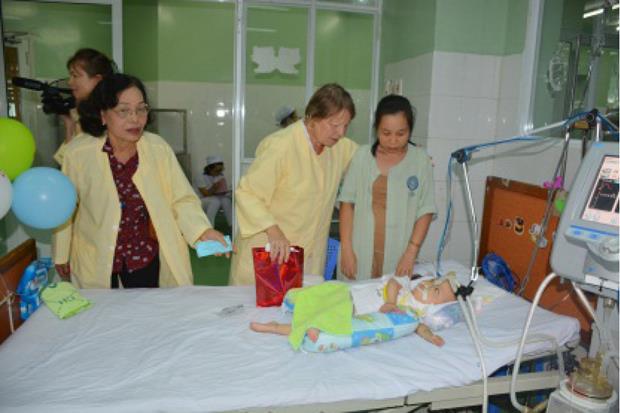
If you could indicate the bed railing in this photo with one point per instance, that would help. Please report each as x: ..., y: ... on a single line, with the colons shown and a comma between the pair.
x: 12, y: 266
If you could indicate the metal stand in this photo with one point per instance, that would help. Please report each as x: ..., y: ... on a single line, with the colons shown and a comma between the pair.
x: 462, y: 156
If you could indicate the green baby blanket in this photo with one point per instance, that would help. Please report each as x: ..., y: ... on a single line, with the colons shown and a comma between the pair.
x: 64, y: 300
x: 326, y: 307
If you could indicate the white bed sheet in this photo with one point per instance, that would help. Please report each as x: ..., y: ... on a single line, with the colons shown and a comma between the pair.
x: 169, y: 350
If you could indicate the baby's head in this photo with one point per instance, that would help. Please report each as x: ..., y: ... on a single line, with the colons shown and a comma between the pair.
x: 432, y: 291
x: 434, y: 302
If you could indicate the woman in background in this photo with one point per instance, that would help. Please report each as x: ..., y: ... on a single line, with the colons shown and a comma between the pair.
x: 136, y: 212
x: 387, y: 198
x: 214, y: 190
x: 285, y: 116
x: 287, y: 195
x: 86, y: 69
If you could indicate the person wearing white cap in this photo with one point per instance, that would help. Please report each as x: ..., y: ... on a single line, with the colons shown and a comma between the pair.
x: 214, y: 190
x: 287, y: 195
x: 285, y: 116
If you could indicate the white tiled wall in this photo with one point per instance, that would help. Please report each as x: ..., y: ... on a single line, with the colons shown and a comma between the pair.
x: 464, y: 102
x: 472, y: 99
x: 210, y: 116
x: 416, y: 76
x: 209, y: 119
x: 466, y: 99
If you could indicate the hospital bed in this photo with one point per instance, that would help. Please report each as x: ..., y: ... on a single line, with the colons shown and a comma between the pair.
x: 190, y: 350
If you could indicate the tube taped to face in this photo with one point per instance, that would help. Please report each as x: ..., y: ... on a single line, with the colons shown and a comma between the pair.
x: 436, y: 316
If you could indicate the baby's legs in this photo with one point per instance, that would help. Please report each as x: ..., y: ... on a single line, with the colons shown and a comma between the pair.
x: 271, y: 327
x: 281, y: 329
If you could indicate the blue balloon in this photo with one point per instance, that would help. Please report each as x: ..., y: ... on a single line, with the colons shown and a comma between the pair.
x: 43, y: 198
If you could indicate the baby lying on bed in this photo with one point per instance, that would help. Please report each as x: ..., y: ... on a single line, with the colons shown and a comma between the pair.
x: 416, y: 299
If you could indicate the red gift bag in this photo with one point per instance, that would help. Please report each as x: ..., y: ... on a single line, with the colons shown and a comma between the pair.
x: 274, y: 280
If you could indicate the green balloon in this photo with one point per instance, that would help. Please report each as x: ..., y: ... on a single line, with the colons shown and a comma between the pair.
x: 16, y: 147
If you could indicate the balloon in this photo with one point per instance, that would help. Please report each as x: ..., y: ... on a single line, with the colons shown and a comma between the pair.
x: 43, y: 198
x: 16, y: 147
x: 6, y: 194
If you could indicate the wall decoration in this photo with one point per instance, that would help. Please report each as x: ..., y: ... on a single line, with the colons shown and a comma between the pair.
x: 268, y: 62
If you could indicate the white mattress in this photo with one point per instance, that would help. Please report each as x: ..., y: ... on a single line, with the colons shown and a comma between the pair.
x: 169, y: 350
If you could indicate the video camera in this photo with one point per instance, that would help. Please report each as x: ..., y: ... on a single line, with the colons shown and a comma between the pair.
x: 55, y: 100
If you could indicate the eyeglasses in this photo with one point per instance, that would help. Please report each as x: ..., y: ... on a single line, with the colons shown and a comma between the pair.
x: 124, y: 113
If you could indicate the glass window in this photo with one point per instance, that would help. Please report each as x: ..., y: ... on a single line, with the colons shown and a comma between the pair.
x: 276, y: 39
x: 336, y: 60
x: 577, y: 60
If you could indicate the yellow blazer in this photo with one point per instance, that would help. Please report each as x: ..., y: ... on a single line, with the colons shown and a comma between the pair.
x: 88, y: 240
x: 288, y: 184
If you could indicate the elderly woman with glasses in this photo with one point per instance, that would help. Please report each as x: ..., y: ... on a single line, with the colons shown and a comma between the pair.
x: 287, y: 195
x: 136, y: 210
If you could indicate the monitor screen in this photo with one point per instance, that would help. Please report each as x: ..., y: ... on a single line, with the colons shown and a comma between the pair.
x: 602, y: 205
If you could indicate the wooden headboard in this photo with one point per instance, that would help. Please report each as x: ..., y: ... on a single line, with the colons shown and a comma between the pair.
x: 12, y: 266
x: 511, y: 209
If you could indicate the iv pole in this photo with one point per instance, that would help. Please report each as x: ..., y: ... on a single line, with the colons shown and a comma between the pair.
x: 463, y: 156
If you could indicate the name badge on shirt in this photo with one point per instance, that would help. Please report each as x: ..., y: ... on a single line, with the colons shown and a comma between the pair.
x: 412, y: 184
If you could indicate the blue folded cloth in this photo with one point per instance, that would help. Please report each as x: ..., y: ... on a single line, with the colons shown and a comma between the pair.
x: 206, y: 248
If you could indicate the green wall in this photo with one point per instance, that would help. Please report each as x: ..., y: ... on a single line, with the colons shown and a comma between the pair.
x: 58, y: 30
x: 140, y: 45
x: 516, y: 23
x: 407, y: 29
x: 343, y: 49
x: 488, y: 27
x: 196, y: 41
x: 179, y: 40
x: 193, y: 41
x: 471, y: 26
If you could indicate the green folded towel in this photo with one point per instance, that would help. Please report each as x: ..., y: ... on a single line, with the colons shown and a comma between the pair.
x: 64, y: 300
x: 326, y: 307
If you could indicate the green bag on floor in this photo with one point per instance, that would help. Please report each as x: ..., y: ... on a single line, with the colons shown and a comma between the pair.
x: 64, y: 300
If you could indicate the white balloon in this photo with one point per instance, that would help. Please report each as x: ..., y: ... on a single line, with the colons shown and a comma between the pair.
x: 6, y: 194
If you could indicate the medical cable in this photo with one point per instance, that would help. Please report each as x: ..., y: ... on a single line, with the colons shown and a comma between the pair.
x: 533, y: 338
x: 560, y: 169
x: 472, y: 323
x: 459, y: 297
x: 463, y: 155
x: 604, y: 334
x: 528, y: 321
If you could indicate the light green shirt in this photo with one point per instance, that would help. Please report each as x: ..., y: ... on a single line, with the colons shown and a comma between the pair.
x: 406, y: 203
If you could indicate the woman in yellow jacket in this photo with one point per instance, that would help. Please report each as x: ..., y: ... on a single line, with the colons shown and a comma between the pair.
x: 136, y: 210
x: 287, y: 195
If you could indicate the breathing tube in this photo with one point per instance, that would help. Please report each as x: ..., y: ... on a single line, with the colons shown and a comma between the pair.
x: 462, y: 293
x: 464, y: 154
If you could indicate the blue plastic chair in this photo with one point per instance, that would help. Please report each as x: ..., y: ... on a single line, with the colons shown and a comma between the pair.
x: 331, y: 258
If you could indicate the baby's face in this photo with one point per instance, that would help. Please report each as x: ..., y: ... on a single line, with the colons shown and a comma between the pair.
x: 435, y: 293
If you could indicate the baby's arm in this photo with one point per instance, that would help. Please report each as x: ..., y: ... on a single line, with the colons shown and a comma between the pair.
x: 391, y: 294
x: 428, y: 335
